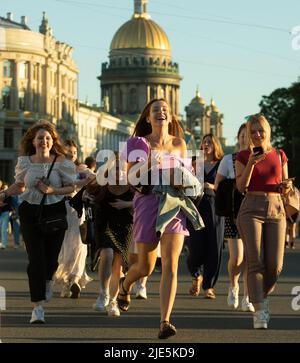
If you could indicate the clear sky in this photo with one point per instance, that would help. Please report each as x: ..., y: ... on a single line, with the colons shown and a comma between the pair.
x: 235, y: 51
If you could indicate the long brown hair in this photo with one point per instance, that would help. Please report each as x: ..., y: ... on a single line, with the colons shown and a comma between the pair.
x: 71, y: 143
x: 26, y: 144
x: 218, y: 151
x: 143, y: 128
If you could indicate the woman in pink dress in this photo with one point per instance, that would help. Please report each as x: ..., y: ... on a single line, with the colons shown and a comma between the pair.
x: 157, y: 130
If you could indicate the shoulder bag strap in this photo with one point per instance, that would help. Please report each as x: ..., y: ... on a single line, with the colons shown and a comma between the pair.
x: 45, y: 195
x: 233, y: 162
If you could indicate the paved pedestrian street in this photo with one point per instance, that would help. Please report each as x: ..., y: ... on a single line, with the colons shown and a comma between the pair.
x: 197, y: 320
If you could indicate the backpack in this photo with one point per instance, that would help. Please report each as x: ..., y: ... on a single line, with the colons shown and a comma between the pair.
x: 228, y: 199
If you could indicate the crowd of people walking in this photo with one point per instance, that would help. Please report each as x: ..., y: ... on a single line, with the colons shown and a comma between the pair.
x: 155, y: 206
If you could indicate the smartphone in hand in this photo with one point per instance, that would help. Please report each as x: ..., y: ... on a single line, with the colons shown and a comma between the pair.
x: 258, y: 150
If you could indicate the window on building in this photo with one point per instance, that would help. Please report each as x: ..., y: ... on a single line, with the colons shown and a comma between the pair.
x: 23, y: 70
x: 8, y: 138
x: 152, y: 92
x: 64, y: 111
x: 6, y: 168
x: 22, y: 100
x: 55, y: 79
x: 8, y: 68
x: 63, y: 82
x: 35, y: 101
x: 55, y: 108
x: 6, y: 98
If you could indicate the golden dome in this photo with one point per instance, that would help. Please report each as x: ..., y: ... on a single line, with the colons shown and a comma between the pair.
x: 140, y: 32
x: 213, y: 106
x: 198, y: 99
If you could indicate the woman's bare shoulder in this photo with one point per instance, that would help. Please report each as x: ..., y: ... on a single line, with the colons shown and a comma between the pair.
x: 177, y: 141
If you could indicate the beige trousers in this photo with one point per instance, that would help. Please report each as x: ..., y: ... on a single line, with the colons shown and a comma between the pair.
x: 261, y: 223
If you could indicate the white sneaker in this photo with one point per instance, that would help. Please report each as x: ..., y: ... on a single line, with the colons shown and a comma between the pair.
x: 233, y: 297
x: 37, y: 315
x: 49, y: 290
x: 141, y: 292
x: 260, y: 319
x: 101, y: 302
x: 247, y: 305
x: 65, y: 291
x: 2, y: 247
x: 113, y: 309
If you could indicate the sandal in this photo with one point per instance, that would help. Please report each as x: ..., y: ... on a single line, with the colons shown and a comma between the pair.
x: 209, y: 294
x: 196, y: 286
x: 123, y: 303
x: 166, y: 330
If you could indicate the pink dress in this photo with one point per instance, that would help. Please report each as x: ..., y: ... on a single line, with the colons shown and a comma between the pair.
x: 146, y: 206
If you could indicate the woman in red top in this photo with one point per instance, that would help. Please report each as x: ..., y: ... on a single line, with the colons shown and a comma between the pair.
x: 261, y: 221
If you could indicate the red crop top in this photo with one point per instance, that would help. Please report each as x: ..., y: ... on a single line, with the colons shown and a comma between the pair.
x: 267, y: 173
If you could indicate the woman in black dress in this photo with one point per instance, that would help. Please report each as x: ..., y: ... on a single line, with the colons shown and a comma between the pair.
x: 113, y: 234
x: 205, y: 245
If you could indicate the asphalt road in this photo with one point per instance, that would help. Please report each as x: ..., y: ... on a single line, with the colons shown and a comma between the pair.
x: 197, y: 320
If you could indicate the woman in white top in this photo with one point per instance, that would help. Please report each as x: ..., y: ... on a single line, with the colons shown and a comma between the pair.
x: 236, y: 262
x: 72, y: 258
x: 40, y: 145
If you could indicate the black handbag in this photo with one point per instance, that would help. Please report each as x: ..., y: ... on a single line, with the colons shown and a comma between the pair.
x: 228, y: 199
x: 51, y: 224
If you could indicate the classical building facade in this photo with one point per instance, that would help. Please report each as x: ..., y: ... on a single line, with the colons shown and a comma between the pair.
x: 99, y: 130
x: 203, y: 119
x: 38, y: 80
x: 140, y: 67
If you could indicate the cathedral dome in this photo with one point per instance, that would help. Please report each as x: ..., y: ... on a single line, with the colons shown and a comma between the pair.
x: 140, y: 32
x: 198, y: 99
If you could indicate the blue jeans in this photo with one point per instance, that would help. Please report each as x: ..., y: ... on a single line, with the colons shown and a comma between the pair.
x: 4, y: 220
x: 16, y: 230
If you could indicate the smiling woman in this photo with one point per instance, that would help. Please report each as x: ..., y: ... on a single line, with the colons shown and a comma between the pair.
x: 261, y: 214
x: 157, y: 129
x: 42, y: 178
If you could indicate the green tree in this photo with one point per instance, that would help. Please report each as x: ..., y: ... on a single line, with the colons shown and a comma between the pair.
x: 282, y: 109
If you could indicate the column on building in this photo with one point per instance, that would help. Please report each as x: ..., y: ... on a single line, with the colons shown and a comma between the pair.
x: 114, y: 99
x: 40, y: 98
x: 30, y: 87
x: 47, y: 87
x: 177, y: 111
x: 173, y: 98
x: 125, y: 95
x: 14, y: 88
